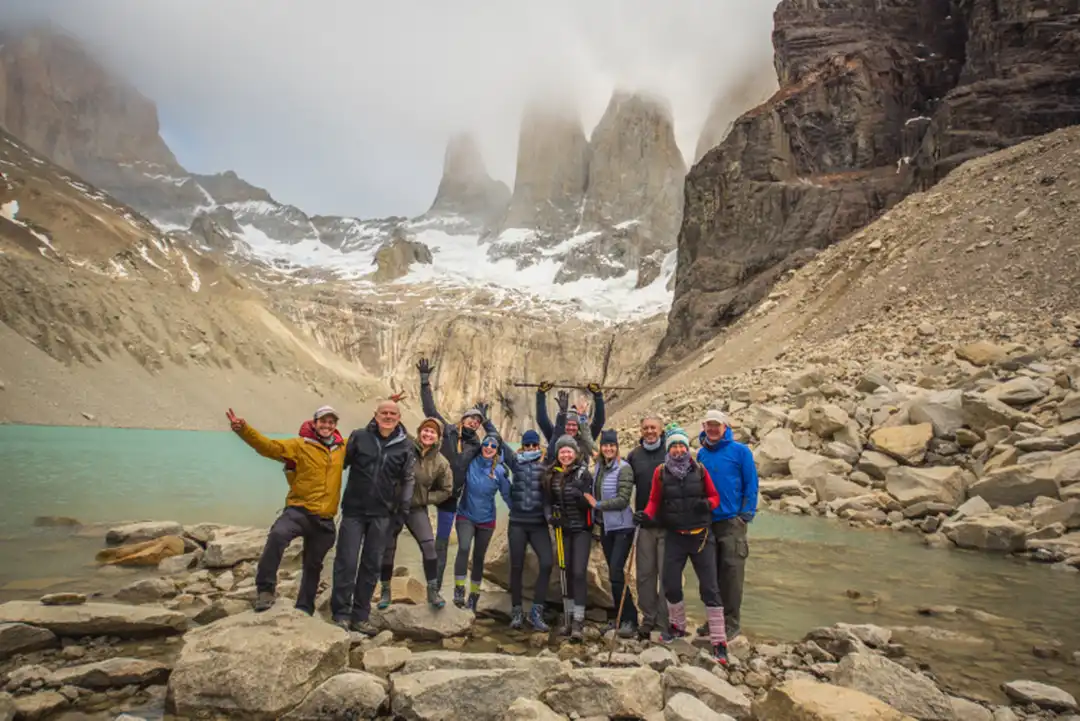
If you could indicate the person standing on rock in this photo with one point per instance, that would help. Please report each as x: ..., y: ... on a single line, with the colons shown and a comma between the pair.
x: 381, y: 462
x: 731, y: 466
x: 613, y: 485
x: 485, y: 477
x: 310, y: 506
x: 528, y: 528
x: 456, y: 440
x: 644, y: 459
x: 434, y: 484
x: 681, y: 501
x: 576, y: 424
x: 566, y: 483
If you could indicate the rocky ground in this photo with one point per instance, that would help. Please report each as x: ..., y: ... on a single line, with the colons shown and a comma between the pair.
x: 187, y: 642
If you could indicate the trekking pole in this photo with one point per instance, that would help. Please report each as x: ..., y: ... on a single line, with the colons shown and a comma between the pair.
x: 561, y: 556
x: 622, y: 601
x: 569, y: 384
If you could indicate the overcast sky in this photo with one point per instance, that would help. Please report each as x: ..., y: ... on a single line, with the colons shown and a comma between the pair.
x: 345, y: 107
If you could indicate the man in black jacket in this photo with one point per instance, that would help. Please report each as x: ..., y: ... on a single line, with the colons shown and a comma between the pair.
x: 458, y: 439
x: 644, y: 459
x: 381, y: 465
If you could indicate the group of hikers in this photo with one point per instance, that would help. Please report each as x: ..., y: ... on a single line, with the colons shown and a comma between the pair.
x: 657, y: 502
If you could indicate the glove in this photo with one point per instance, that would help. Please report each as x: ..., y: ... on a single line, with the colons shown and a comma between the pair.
x: 641, y: 519
x: 546, y: 386
x: 593, y: 388
x: 425, y: 368
x: 563, y: 401
x: 483, y: 408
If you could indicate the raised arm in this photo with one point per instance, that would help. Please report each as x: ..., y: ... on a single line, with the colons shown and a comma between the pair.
x: 599, y: 413
x: 265, y: 447
x: 560, y: 429
x: 427, y: 398
x: 543, y: 420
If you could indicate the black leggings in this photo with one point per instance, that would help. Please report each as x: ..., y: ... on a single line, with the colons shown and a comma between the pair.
x: 469, y: 534
x: 419, y: 525
x: 534, y: 535
x: 576, y: 548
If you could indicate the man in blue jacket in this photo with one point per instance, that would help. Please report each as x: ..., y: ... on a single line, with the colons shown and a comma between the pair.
x: 731, y: 466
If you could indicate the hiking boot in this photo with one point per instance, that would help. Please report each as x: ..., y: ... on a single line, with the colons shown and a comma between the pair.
x: 626, y: 630
x: 577, y: 631
x: 719, y: 654
x: 365, y: 627
x: 384, y: 598
x: 474, y: 598
x: 459, y: 596
x: 703, y: 629
x: 517, y: 618
x: 644, y: 631
x: 434, y: 598
x: 264, y: 601
x: 671, y: 633
x: 344, y: 624
x: 536, y: 619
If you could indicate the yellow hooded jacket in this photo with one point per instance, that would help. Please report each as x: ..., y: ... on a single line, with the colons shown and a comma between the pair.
x: 316, y: 483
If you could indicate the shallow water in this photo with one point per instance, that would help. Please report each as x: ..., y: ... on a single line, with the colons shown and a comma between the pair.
x: 802, y: 572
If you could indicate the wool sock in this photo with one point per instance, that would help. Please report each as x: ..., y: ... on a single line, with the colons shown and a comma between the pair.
x: 579, y: 613
x: 474, y: 587
x: 459, y: 582
x: 677, y: 615
x: 717, y: 634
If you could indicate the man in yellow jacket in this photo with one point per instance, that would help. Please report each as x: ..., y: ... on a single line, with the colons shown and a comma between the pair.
x: 310, y: 506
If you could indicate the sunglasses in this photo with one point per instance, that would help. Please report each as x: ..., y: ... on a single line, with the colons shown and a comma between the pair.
x: 529, y: 446
x: 492, y: 444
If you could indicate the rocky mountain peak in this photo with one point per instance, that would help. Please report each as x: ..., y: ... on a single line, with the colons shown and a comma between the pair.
x: 753, y: 87
x: 466, y: 189
x: 552, y: 170
x: 228, y: 187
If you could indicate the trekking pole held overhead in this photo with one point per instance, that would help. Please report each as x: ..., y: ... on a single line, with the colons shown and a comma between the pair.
x: 622, y: 600
x: 568, y: 384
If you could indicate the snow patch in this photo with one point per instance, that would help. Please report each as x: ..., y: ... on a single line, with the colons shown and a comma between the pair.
x: 195, y: 282
x: 145, y: 255
x: 10, y: 209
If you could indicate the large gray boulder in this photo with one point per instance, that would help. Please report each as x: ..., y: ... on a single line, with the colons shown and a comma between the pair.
x: 423, y: 623
x: 142, y: 531
x: 986, y: 533
x: 684, y: 707
x: 345, y: 697
x: 22, y: 638
x: 939, y: 484
x: 714, y: 692
x: 475, y: 694
x: 612, y: 692
x: 112, y: 673
x: 806, y: 700
x: 904, y: 690
x: 95, y: 619
x: 256, y: 666
x: 1014, y: 486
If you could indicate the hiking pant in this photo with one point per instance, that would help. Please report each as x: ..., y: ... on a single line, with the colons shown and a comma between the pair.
x: 419, y: 526
x: 536, y: 536
x: 650, y: 567
x: 318, y: 534
x: 445, y: 523
x: 700, y: 549
x: 467, y: 532
x: 616, y: 545
x: 576, y: 548
x: 360, y: 539
x: 731, y: 552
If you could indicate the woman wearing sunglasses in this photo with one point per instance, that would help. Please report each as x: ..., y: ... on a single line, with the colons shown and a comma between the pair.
x: 485, y: 476
x: 528, y: 528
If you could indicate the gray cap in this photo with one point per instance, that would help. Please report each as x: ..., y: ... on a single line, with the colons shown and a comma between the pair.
x: 326, y: 411
x: 566, y: 441
x: 472, y: 412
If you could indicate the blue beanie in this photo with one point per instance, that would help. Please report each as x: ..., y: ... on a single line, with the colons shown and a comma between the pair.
x: 530, y: 438
x: 676, y: 435
x: 609, y: 436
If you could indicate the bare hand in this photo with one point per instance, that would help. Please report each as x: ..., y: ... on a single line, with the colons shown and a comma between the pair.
x: 398, y: 397
x: 590, y: 500
x: 235, y: 421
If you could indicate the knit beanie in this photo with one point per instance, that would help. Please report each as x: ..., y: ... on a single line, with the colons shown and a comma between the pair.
x: 473, y: 412
x: 530, y: 438
x: 609, y: 435
x: 430, y: 423
x: 676, y: 435
x: 566, y: 441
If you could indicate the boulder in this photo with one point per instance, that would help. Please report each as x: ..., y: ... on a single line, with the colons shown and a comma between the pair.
x: 95, y: 619
x: 875, y: 464
x: 483, y: 694
x: 22, y: 638
x: 39, y: 705
x: 830, y: 487
x: 684, y: 707
x: 1069, y: 408
x: 528, y: 709
x: 146, y: 553
x: 1041, y: 694
x: 657, y: 658
x: 717, y: 694
x: 146, y: 590
x: 1014, y: 486
x: 982, y: 412
x: 940, y: 484
x: 780, y: 489
x: 904, y: 690
x: 64, y: 598
x: 347, y: 696
x: 611, y: 692
x: 806, y: 466
x: 180, y: 564
x: 229, y: 547
x: 773, y: 454
x: 986, y: 533
x: 385, y: 660
x: 1019, y: 391
x: 806, y: 700
x: 906, y: 444
x: 142, y: 531
x: 112, y: 673
x: 7, y: 707
x: 423, y: 623
x: 944, y: 410
x: 1067, y: 514
x: 255, y: 666
x: 982, y: 353
x: 826, y: 419
x: 974, y: 506
x: 1069, y: 433
x: 964, y: 710
x: 459, y: 661
x: 497, y: 570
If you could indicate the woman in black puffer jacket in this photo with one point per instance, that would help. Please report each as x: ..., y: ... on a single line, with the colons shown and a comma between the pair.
x: 565, y: 484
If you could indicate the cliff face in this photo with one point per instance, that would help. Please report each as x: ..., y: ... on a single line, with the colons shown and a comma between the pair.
x: 466, y: 189
x: 867, y: 90
x: 751, y: 89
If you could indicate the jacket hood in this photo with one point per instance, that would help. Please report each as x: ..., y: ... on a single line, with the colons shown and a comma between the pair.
x: 726, y: 438
x: 440, y: 429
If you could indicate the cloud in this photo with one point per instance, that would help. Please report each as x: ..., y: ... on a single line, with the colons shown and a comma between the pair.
x: 345, y: 107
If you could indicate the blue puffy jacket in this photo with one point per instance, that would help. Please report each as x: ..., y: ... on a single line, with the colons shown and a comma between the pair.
x: 483, y: 481
x: 734, y: 474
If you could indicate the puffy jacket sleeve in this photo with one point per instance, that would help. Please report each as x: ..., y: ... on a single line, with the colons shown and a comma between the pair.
x: 626, y: 490
x: 427, y: 400
x: 442, y: 485
x: 542, y: 418
x: 267, y: 447
x: 408, y: 483
x: 599, y: 415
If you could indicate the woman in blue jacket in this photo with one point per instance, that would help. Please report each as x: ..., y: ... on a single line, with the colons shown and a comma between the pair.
x: 485, y: 476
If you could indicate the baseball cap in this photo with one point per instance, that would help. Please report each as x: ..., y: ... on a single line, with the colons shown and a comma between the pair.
x: 715, y: 416
x: 326, y: 411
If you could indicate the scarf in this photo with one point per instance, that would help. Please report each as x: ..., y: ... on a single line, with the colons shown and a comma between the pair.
x: 527, y: 456
x: 652, y: 446
x: 680, y: 466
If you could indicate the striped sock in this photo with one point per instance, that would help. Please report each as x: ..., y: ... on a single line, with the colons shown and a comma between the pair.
x: 677, y: 615
x: 579, y: 613
x: 717, y: 634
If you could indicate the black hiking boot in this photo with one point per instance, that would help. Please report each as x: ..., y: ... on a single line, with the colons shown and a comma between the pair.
x: 536, y: 619
x: 577, y: 631
x: 264, y: 601
x: 434, y: 597
x: 644, y: 631
x: 474, y: 598
x: 517, y: 618
x: 365, y: 627
x: 626, y: 630
x: 703, y: 629
x: 459, y: 596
